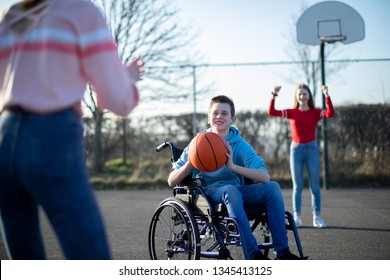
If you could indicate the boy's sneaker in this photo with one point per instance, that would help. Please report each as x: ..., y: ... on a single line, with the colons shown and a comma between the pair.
x: 297, y: 220
x: 287, y: 255
x: 318, y: 222
x: 260, y: 256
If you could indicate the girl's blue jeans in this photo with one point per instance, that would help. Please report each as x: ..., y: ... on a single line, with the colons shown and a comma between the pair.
x: 305, y: 155
x: 257, y: 196
x: 42, y: 164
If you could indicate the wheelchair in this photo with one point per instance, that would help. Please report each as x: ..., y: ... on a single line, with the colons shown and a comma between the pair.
x: 187, y: 227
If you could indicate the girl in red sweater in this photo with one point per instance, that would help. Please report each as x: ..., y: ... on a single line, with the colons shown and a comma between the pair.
x: 304, y: 118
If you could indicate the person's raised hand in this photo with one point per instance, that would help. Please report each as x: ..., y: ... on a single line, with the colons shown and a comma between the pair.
x: 325, y: 90
x: 136, y: 69
x: 276, y: 90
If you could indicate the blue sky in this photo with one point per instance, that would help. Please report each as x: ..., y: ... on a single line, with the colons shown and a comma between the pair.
x: 231, y: 31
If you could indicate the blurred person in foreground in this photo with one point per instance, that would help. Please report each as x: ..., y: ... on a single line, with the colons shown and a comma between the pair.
x: 49, y: 51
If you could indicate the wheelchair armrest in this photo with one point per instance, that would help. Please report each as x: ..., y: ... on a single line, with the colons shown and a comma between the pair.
x: 189, y: 186
x: 193, y: 182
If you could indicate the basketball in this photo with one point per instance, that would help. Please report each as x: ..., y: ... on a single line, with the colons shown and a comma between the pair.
x: 207, y: 152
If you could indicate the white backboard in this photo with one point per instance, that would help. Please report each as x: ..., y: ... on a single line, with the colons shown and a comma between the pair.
x: 330, y: 21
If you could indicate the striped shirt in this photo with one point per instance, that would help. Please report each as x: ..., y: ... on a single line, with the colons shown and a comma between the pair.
x: 48, y: 57
x: 303, y: 124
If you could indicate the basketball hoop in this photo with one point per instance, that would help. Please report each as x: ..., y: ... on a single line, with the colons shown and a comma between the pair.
x: 330, y: 22
x: 333, y: 39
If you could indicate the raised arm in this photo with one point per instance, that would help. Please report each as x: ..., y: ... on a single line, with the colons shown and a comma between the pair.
x: 329, y: 106
x: 271, y: 108
x: 113, y: 82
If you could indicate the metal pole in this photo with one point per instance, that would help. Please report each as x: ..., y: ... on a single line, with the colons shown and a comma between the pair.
x: 314, y: 79
x: 324, y: 123
x: 194, y: 118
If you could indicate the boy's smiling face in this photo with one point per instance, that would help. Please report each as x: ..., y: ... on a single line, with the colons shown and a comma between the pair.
x: 220, y: 118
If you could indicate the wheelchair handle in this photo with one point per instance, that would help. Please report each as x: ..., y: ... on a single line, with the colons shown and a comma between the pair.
x: 162, y: 146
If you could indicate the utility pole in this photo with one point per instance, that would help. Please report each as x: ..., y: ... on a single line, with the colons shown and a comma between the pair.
x: 194, y: 117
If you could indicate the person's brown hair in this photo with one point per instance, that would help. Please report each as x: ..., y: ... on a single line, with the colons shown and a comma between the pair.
x: 27, y: 4
x: 310, y: 102
x: 223, y: 99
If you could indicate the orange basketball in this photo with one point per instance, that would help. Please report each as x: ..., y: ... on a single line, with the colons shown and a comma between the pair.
x: 207, y: 152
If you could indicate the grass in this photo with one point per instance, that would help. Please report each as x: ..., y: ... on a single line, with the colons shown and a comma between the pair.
x: 152, y: 174
x: 147, y: 174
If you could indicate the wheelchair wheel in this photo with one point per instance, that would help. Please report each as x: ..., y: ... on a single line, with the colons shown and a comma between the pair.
x: 173, y: 232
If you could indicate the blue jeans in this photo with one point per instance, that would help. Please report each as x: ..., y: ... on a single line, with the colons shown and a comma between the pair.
x: 42, y: 164
x: 301, y: 155
x: 268, y: 195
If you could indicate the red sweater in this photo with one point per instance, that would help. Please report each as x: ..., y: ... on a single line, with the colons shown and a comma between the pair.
x: 303, y: 123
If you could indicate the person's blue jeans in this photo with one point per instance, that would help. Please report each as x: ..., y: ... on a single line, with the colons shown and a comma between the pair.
x: 268, y: 195
x: 42, y: 164
x: 305, y: 155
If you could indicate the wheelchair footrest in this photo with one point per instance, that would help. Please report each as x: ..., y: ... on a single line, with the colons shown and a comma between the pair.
x: 267, y: 245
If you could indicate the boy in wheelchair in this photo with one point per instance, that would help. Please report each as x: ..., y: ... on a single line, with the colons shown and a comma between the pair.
x: 227, y: 185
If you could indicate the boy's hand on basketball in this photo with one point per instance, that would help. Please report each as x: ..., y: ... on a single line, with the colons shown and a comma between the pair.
x: 229, y: 163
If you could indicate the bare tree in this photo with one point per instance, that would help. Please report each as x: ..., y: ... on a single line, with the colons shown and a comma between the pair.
x: 97, y: 117
x: 361, y: 137
x: 253, y: 127
x: 147, y: 28
x: 282, y: 137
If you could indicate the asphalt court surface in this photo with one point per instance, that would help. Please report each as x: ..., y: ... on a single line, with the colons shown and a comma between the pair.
x: 358, y: 224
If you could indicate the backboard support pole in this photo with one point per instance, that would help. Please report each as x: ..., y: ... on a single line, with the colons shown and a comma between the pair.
x: 325, y: 167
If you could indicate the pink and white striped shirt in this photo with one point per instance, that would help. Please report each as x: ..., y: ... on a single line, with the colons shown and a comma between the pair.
x: 46, y: 68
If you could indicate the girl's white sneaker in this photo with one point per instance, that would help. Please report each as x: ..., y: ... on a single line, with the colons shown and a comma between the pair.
x: 318, y: 222
x: 297, y: 220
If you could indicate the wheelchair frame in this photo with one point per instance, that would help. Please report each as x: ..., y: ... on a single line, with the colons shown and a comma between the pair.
x: 187, y: 226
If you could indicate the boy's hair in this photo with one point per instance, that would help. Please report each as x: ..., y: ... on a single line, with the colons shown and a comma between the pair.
x: 223, y: 99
